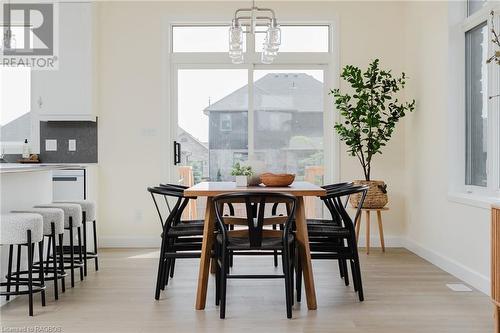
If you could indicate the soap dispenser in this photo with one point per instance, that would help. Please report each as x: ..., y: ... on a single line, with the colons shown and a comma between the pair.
x: 26, y: 149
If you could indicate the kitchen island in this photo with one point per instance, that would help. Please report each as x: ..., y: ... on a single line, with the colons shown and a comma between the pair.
x: 25, y: 185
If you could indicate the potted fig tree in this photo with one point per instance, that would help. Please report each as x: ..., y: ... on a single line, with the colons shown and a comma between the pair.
x: 369, y: 113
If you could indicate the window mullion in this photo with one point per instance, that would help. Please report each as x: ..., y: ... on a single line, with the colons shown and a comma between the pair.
x: 251, y: 114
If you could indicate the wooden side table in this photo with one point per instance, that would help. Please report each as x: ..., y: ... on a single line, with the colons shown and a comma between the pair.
x: 367, y: 212
x: 495, y: 263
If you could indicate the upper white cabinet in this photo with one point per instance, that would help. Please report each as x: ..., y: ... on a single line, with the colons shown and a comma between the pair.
x: 67, y: 93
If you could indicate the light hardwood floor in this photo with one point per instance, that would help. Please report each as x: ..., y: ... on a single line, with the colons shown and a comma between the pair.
x: 403, y: 293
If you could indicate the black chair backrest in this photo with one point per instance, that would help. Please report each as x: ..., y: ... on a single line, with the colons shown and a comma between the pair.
x: 333, y: 201
x: 254, y: 201
x: 173, y: 214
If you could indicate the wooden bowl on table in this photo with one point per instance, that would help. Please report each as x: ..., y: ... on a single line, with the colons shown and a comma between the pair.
x: 277, y: 180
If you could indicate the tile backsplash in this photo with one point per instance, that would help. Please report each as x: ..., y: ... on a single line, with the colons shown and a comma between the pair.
x: 83, y: 149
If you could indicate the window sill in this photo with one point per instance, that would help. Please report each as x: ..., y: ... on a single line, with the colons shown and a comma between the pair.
x: 473, y: 199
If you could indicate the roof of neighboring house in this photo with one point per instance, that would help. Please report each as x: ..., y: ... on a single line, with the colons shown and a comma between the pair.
x: 294, y: 92
x: 17, y: 129
x: 195, y: 140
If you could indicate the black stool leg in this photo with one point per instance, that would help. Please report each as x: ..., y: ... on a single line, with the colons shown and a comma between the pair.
x: 80, y: 257
x: 49, y: 247
x: 71, y: 252
x: 95, y: 247
x: 41, y: 272
x: 9, y: 271
x: 61, y: 260
x: 84, y: 224
x: 30, y: 273
x: 54, y: 259
x: 18, y: 264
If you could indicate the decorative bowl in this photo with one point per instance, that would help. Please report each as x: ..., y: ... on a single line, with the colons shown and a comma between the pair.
x: 277, y: 180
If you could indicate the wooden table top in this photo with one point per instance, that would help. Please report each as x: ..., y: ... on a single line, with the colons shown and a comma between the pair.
x: 210, y: 189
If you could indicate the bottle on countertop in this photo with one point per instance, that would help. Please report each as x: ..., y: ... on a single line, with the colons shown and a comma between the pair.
x: 26, y: 149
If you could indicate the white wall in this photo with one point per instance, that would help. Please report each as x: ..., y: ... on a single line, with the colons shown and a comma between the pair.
x: 451, y: 235
x: 133, y: 115
x: 406, y: 36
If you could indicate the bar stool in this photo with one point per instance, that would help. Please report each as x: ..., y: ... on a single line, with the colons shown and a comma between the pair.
x: 72, y: 221
x: 53, y: 225
x: 23, y: 229
x: 89, y: 216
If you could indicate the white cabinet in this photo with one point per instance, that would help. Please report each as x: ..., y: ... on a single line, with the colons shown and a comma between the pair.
x: 67, y: 93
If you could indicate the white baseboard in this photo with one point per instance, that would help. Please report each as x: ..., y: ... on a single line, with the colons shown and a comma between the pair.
x: 469, y: 276
x: 390, y: 241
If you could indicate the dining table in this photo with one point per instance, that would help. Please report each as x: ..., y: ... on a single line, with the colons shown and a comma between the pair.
x: 299, y: 189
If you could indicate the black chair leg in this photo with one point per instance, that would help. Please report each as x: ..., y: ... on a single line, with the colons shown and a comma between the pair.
x: 96, y: 259
x: 288, y: 293
x: 298, y: 278
x: 354, y: 276
x: 172, y: 266
x: 72, y: 252
x: 61, y: 261
x: 346, y: 272
x: 341, y: 269
x: 30, y: 273
x: 357, y: 268
x: 54, y: 260
x: 9, y: 270
x: 275, y: 255
x: 80, y: 254
x: 223, y: 283
x: 159, y: 278
x: 41, y: 272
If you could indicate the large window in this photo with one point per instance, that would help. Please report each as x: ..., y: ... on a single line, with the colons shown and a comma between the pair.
x: 481, y: 105
x: 268, y: 116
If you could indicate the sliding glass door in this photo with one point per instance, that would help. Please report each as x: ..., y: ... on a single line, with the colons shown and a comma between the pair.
x: 279, y: 129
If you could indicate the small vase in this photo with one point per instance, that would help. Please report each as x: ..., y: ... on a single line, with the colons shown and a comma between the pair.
x: 241, y: 181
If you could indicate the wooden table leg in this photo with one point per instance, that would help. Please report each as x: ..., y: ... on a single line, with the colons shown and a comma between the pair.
x: 381, y: 230
x: 305, y: 254
x: 206, y: 248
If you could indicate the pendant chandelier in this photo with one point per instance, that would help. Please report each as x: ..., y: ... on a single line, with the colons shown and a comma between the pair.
x: 251, y: 18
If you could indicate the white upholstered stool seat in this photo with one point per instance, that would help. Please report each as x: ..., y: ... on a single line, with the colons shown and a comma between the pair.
x: 49, y: 215
x: 70, y: 210
x: 88, y: 207
x: 14, y: 227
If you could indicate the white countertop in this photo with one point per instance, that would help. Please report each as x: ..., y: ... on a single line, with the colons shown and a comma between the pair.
x: 19, y: 167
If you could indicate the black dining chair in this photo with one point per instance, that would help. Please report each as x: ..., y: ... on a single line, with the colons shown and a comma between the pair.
x: 335, y: 238
x: 253, y: 237
x: 180, y: 239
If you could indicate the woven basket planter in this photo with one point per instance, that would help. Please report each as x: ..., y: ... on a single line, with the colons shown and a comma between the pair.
x: 375, y: 197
